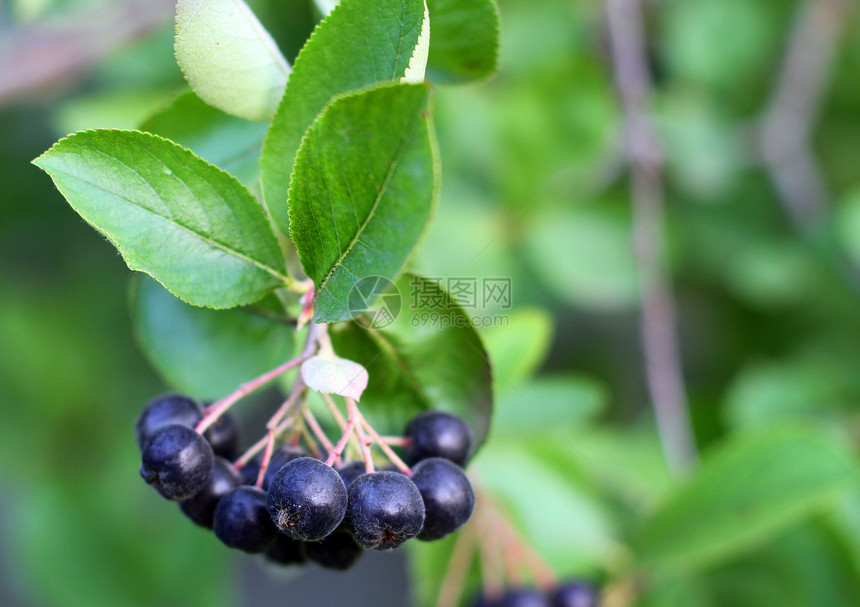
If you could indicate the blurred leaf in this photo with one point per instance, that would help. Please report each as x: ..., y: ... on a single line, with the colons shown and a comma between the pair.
x: 189, y: 225
x: 229, y: 58
x: 230, y: 143
x: 334, y: 375
x: 518, y: 348
x: 357, y: 212
x: 337, y: 58
x: 206, y: 353
x: 848, y: 225
x: 464, y: 39
x: 430, y: 357
x: 753, y: 486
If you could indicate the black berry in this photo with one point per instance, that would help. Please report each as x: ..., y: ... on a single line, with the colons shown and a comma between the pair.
x: 447, y: 494
x: 351, y: 471
x: 242, y: 521
x: 336, y: 551
x: 177, y: 462
x: 164, y: 410
x: 522, y: 597
x: 307, y: 499
x: 286, y: 551
x: 385, y: 509
x: 438, y: 434
x: 574, y: 594
x: 282, y: 456
x: 200, y: 508
x: 223, y: 435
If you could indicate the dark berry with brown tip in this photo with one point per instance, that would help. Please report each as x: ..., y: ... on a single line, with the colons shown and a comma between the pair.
x: 223, y: 435
x: 438, y: 434
x: 241, y: 520
x: 447, y: 494
x: 165, y: 410
x: 177, y: 462
x: 307, y: 499
x: 337, y: 551
x: 385, y: 509
x: 200, y: 508
x: 574, y: 594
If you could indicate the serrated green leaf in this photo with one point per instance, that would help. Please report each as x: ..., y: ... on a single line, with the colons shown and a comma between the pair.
x: 464, y: 39
x: 362, y: 191
x: 753, y: 486
x: 226, y: 141
x: 229, y: 58
x: 206, y: 353
x: 361, y: 43
x: 429, y: 357
x: 188, y: 224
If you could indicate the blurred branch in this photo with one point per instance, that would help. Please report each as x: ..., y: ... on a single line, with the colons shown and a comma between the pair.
x: 788, y: 123
x: 659, y: 323
x: 46, y: 54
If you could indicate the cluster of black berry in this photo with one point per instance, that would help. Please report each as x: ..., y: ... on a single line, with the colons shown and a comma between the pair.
x: 569, y: 594
x: 305, y: 509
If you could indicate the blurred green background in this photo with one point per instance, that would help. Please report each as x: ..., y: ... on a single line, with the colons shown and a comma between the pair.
x: 536, y: 189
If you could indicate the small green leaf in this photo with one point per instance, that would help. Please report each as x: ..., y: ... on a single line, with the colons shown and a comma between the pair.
x: 230, y: 143
x: 206, y: 353
x: 430, y: 357
x: 229, y: 58
x: 748, y: 490
x: 362, y: 191
x: 464, y: 39
x: 332, y: 375
x: 519, y: 347
x: 189, y: 225
x: 361, y: 43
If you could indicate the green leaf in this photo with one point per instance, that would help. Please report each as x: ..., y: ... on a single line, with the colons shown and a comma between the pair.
x: 464, y: 39
x: 206, y: 353
x: 230, y: 143
x: 749, y: 489
x: 519, y: 347
x: 362, y: 191
x: 361, y: 43
x: 229, y: 58
x: 191, y: 226
x: 429, y: 357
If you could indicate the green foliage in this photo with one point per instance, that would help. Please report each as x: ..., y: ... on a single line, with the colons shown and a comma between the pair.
x: 463, y: 40
x: 358, y: 210
x: 336, y: 59
x: 191, y: 226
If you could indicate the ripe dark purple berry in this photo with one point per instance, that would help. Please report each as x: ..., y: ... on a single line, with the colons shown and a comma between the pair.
x: 574, y: 594
x: 522, y: 597
x: 242, y: 521
x: 447, y: 494
x: 177, y: 462
x: 438, y: 434
x: 282, y: 456
x: 351, y: 471
x: 336, y: 551
x: 165, y: 410
x: 200, y: 508
x: 223, y: 435
x: 286, y: 551
x: 307, y: 499
x: 385, y: 509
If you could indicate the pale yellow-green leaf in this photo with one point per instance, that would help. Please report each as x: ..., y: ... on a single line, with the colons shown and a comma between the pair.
x: 418, y: 62
x: 229, y: 58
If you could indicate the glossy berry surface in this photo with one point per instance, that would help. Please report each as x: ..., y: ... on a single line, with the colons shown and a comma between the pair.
x: 282, y: 456
x: 177, y: 462
x: 241, y: 520
x: 165, y: 410
x: 223, y: 435
x: 385, y: 509
x: 200, y: 507
x: 286, y: 551
x: 351, y: 471
x: 447, y: 494
x: 336, y: 551
x: 574, y: 594
x: 522, y: 597
x: 438, y: 434
x: 307, y: 499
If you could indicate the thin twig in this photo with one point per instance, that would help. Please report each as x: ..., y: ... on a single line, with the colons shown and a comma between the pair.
x: 659, y: 324
x: 401, y: 465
